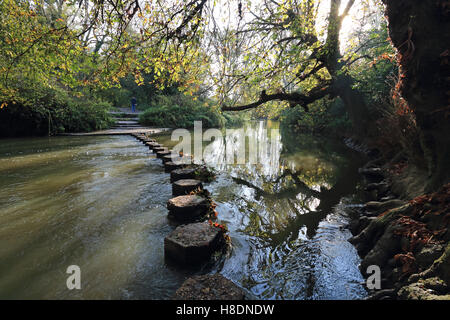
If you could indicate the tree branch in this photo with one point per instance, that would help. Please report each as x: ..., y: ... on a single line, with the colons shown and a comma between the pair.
x: 294, y: 98
x: 347, y: 9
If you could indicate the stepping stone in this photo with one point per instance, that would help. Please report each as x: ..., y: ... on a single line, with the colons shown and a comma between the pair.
x: 372, y: 174
x: 187, y: 208
x: 152, y: 145
x: 156, y: 145
x: 183, y: 173
x: 209, y: 287
x: 160, y: 148
x: 167, y: 158
x: 193, y: 243
x: 161, y: 154
x: 170, y: 157
x: 170, y: 166
x: 185, y: 186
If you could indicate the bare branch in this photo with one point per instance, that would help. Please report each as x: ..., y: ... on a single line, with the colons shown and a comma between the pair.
x: 294, y: 98
x: 347, y: 9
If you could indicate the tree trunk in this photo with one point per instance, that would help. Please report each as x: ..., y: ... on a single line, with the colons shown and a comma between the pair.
x: 420, y: 30
x: 353, y: 99
x: 354, y: 104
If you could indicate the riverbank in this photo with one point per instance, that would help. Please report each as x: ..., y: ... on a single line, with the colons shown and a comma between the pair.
x: 405, y: 232
x: 114, y: 132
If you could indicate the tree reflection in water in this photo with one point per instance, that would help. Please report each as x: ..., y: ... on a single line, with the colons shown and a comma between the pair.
x: 281, y: 207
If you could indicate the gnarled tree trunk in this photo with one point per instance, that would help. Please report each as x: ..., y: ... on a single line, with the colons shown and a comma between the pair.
x: 420, y: 30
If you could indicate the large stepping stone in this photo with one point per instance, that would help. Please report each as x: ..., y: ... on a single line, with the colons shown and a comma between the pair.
x: 160, y: 148
x: 187, y: 208
x: 372, y: 174
x: 185, y: 186
x: 153, y: 145
x: 161, y: 154
x: 170, y: 166
x: 183, y: 173
x: 181, y: 159
x: 167, y: 158
x: 193, y: 243
x: 209, y: 287
x: 170, y: 158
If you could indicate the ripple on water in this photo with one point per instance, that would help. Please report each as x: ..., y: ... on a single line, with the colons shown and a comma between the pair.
x: 100, y: 203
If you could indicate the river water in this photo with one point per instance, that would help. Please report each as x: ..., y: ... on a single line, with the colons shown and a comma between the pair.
x: 100, y: 203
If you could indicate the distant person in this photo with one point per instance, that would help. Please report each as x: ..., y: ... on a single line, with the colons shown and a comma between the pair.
x: 133, y: 104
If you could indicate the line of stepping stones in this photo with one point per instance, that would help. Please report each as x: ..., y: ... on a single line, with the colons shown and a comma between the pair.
x: 196, y: 239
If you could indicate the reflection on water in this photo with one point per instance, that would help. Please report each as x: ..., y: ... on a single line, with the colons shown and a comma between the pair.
x: 100, y: 203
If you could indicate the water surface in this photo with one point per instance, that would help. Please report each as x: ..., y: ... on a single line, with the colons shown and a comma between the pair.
x: 100, y: 203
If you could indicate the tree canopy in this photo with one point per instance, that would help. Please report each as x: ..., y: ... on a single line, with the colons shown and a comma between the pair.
x: 232, y: 48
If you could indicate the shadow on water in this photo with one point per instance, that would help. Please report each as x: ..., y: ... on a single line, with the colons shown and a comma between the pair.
x: 100, y: 203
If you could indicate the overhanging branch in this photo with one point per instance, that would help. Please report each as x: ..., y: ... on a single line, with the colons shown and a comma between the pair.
x: 294, y: 98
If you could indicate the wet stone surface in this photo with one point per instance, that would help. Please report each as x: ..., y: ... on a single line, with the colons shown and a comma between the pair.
x: 193, y: 243
x: 161, y: 154
x: 167, y: 158
x: 160, y: 148
x: 187, y: 208
x: 170, y: 166
x: 183, y: 173
x: 185, y: 186
x: 152, y: 145
x: 209, y: 287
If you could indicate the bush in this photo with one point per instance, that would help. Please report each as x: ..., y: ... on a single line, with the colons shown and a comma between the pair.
x: 234, y: 119
x: 180, y: 111
x: 78, y: 116
x: 39, y: 110
x: 324, y: 117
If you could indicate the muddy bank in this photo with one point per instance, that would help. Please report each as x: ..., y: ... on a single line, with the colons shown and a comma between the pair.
x: 405, y: 232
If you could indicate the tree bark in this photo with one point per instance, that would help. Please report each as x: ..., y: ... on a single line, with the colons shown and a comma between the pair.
x: 420, y: 30
x: 355, y: 104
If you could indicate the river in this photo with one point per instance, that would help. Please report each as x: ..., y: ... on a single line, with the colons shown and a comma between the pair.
x: 100, y: 203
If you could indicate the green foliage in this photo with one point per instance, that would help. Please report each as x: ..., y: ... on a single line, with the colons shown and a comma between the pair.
x: 40, y: 110
x: 144, y: 93
x: 234, y: 119
x: 36, y: 44
x: 377, y: 78
x: 324, y: 116
x: 180, y: 111
x: 48, y: 76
